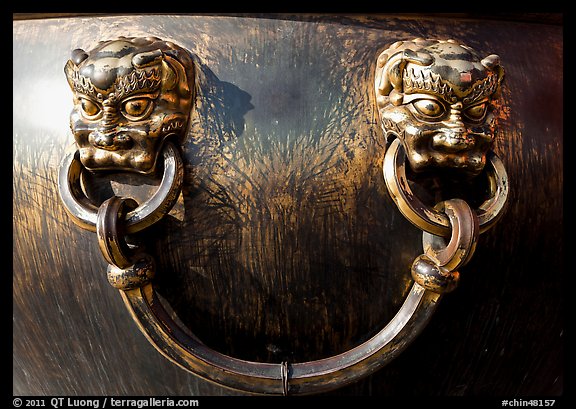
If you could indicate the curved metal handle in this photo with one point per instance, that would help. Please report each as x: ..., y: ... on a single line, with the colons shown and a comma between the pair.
x: 147, y: 83
x: 133, y: 277
x: 132, y: 271
x: 285, y: 378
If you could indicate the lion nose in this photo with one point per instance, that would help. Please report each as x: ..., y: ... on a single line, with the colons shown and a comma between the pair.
x: 110, y: 141
x: 103, y: 140
x: 454, y: 137
x: 452, y: 140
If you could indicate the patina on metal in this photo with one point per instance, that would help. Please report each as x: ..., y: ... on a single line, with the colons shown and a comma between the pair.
x: 428, y: 218
x: 131, y: 95
x: 131, y: 270
x: 435, y: 270
x: 84, y: 211
x: 437, y: 105
x: 332, y: 263
x: 437, y: 97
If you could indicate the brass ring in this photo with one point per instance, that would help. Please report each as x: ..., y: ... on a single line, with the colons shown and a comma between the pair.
x: 85, y: 213
x: 108, y: 229
x: 432, y: 220
x: 462, y: 244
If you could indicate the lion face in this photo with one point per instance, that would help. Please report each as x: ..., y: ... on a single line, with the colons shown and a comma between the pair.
x: 437, y: 98
x: 129, y: 95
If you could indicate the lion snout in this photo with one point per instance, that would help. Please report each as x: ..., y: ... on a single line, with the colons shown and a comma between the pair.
x: 110, y: 141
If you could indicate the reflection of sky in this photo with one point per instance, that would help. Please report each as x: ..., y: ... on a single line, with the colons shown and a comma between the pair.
x: 290, y: 79
x: 287, y: 93
x: 41, y: 100
x: 49, y: 107
x: 41, y: 97
x: 41, y: 110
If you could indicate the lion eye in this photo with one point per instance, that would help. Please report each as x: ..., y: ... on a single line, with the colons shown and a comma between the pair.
x: 428, y: 107
x: 137, y: 109
x: 89, y: 108
x: 476, y: 112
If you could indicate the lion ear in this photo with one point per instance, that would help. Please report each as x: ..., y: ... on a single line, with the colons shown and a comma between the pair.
x: 492, y: 62
x: 393, y: 67
x: 147, y: 58
x: 70, y: 70
x: 174, y: 75
x: 78, y: 55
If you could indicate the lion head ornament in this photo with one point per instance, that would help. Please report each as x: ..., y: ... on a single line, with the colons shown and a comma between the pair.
x: 438, y: 97
x: 130, y: 94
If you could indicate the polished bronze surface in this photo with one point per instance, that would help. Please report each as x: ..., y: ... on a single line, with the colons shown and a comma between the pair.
x: 462, y: 244
x: 82, y: 206
x: 131, y: 268
x: 435, y: 99
x: 435, y: 270
x: 285, y: 244
x: 110, y: 231
x: 428, y: 218
x: 129, y: 95
x: 300, y: 378
x: 437, y: 96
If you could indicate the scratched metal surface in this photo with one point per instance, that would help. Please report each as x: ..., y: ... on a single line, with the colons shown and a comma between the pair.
x: 287, y: 245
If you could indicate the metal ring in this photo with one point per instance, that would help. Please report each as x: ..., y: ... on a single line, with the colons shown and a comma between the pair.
x: 113, y: 246
x: 462, y: 244
x: 432, y: 220
x: 302, y: 378
x: 85, y: 213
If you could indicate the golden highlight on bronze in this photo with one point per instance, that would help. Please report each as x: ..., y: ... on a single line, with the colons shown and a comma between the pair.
x: 436, y: 97
x: 436, y: 101
x: 130, y: 94
x: 132, y: 102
